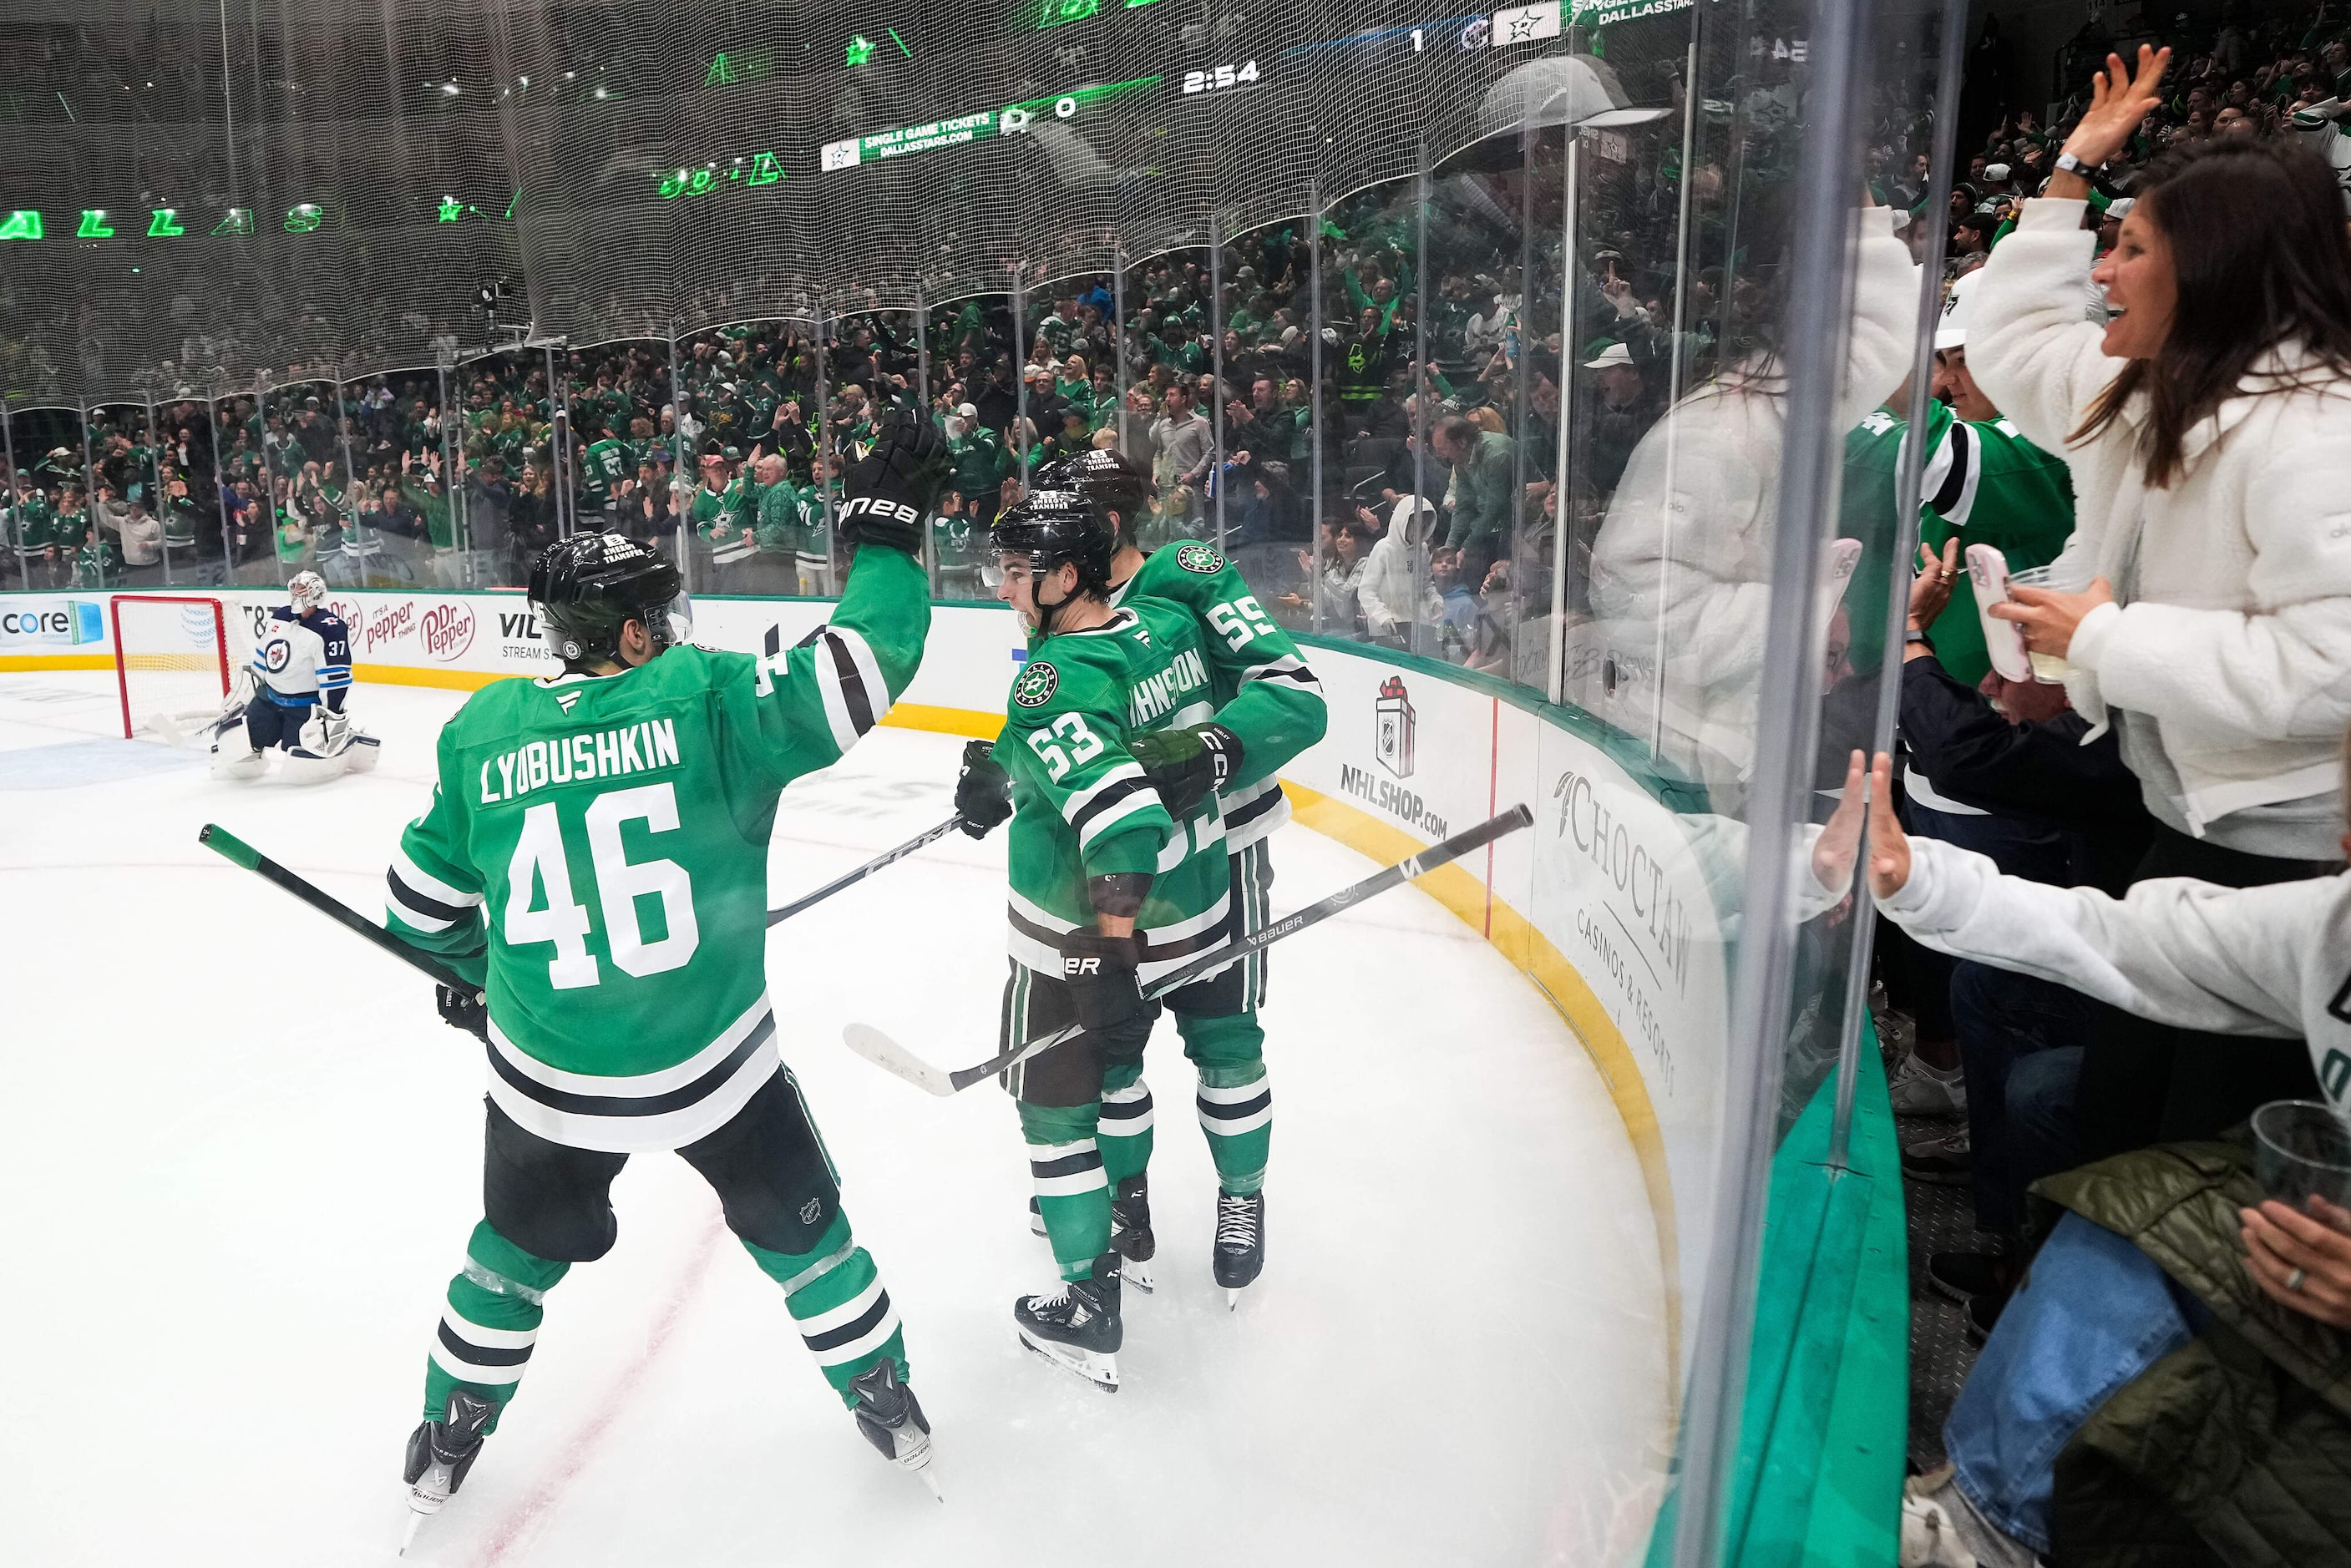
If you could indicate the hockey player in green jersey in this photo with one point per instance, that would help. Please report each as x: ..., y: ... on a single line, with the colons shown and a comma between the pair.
x: 1268, y: 708
x: 1113, y: 883
x: 596, y: 857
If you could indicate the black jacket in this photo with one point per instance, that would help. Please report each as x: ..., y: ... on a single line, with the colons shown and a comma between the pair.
x: 2041, y: 772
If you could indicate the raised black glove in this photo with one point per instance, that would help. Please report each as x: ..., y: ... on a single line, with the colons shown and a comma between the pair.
x: 464, y: 1010
x: 1103, y: 992
x: 983, y: 794
x: 1185, y: 765
x: 890, y: 489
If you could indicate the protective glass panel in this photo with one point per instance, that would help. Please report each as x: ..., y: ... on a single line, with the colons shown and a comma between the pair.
x: 125, y: 543
x: 508, y: 498
x: 49, y: 523
x: 1378, y: 536
x: 1268, y: 429
x: 973, y: 363
x: 1165, y: 342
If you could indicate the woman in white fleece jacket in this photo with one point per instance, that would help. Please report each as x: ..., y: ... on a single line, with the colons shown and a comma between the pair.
x: 2208, y: 426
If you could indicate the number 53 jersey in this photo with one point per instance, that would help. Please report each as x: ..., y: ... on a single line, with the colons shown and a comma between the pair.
x: 597, y: 850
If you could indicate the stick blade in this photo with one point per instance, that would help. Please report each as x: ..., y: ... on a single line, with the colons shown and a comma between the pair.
x: 896, y: 1060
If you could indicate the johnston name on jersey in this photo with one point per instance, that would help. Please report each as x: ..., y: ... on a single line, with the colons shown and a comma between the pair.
x: 598, y: 847
x: 1261, y: 690
x: 299, y: 659
x: 1082, y: 805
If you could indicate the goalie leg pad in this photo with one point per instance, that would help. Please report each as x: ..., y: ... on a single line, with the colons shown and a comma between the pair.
x: 303, y: 766
x: 363, y: 753
x: 238, y: 761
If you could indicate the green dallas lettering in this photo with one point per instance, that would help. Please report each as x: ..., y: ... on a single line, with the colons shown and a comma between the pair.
x: 577, y: 759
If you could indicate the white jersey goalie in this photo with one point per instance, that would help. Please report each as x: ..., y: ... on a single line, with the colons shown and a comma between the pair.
x: 291, y: 696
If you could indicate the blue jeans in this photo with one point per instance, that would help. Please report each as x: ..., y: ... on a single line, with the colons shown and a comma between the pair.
x: 2094, y: 1314
x: 2005, y: 1021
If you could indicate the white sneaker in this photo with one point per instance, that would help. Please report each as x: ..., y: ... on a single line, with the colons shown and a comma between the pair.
x: 1918, y: 1090
x: 1929, y: 1539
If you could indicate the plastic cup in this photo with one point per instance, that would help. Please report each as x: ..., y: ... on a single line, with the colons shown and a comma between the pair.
x: 2050, y: 668
x: 2301, y: 1152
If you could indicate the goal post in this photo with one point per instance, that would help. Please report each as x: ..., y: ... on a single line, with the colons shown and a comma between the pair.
x: 170, y: 657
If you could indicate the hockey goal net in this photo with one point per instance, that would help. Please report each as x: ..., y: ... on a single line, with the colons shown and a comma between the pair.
x: 171, y: 659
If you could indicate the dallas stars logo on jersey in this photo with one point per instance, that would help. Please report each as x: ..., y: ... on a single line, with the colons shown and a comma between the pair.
x: 1200, y: 558
x: 1035, y: 688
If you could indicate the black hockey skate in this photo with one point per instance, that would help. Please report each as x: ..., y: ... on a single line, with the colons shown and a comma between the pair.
x: 1076, y: 1325
x: 892, y: 1419
x: 1239, y: 1256
x: 439, y: 1455
x: 1130, y: 1231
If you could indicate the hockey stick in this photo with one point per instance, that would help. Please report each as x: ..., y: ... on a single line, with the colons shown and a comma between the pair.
x: 891, y: 1057
x: 220, y: 840
x: 928, y: 835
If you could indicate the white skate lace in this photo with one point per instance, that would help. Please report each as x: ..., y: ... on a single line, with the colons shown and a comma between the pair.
x: 1046, y: 1299
x: 1235, y: 1223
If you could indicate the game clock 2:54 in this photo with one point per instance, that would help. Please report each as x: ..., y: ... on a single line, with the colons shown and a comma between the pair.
x: 1218, y: 76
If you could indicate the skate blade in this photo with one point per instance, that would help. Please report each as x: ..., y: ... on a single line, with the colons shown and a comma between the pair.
x: 1101, y: 1370
x: 1232, y: 1298
x: 931, y: 1482
x: 408, y: 1532
x: 1136, y: 1273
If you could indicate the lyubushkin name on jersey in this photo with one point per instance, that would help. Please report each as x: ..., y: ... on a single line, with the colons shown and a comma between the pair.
x: 597, y: 754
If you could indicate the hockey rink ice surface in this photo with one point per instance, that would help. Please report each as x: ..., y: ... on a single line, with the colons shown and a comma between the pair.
x: 242, y: 1155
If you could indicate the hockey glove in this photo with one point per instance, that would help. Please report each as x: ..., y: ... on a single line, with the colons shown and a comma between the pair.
x: 1186, y: 765
x: 326, y: 733
x: 463, y: 1010
x: 983, y: 794
x: 890, y: 489
x: 1103, y: 992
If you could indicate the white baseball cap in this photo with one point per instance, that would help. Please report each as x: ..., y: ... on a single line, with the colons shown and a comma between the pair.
x: 1615, y: 354
x: 1996, y: 173
x: 1951, y: 331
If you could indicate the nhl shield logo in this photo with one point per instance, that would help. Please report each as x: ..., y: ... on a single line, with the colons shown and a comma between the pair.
x: 1036, y: 685
x: 1395, y: 728
x: 1200, y: 558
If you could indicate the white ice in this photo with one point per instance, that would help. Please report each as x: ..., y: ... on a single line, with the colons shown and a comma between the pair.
x: 241, y: 1156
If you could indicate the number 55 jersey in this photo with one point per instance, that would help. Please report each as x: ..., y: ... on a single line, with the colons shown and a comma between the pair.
x: 597, y: 849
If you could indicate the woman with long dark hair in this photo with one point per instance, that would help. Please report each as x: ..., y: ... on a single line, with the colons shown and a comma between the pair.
x: 2208, y: 426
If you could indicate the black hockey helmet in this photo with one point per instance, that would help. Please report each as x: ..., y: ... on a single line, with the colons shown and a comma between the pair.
x: 587, y: 587
x: 1109, y: 482
x: 1049, y: 527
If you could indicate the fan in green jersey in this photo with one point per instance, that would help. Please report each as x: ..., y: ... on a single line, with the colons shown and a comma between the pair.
x: 1268, y: 709
x: 1112, y: 885
x: 603, y: 465
x: 595, y: 857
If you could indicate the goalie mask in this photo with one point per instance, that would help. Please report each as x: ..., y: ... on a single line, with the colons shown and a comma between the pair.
x: 308, y: 590
x: 587, y: 587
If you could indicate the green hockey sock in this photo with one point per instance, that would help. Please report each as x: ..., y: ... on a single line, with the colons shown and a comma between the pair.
x: 1124, y: 1133
x: 1072, y: 1193
x: 834, y: 1293
x: 489, y: 1322
x: 1235, y: 1101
